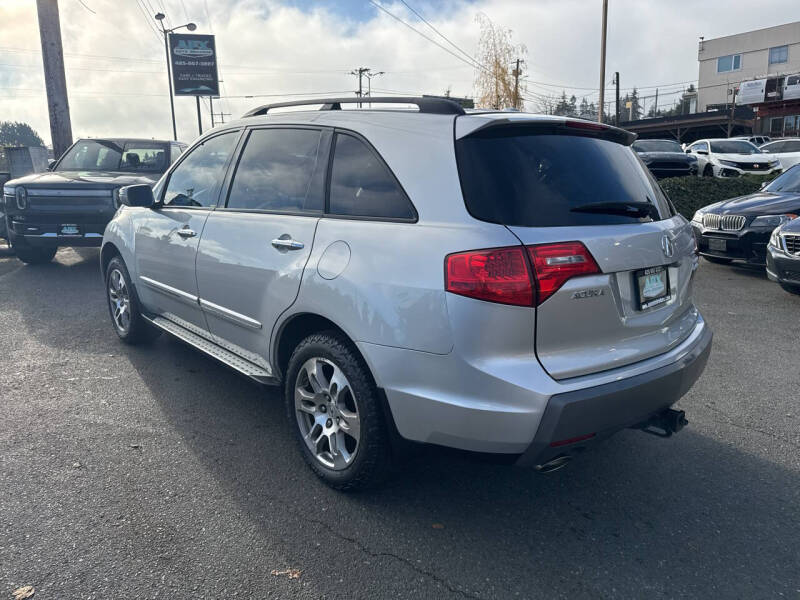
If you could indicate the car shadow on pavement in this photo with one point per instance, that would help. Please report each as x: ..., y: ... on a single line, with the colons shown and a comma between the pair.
x: 688, y: 516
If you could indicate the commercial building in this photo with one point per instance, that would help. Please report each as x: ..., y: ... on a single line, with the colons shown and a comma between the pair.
x: 760, y: 69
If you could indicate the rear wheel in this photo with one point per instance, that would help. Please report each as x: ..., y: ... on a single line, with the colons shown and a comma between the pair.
x: 34, y: 256
x: 333, y: 406
x: 718, y: 260
x: 123, y: 306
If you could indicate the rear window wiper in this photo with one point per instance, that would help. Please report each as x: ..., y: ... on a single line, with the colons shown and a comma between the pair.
x: 628, y: 209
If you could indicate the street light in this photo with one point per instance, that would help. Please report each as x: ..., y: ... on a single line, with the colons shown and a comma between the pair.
x: 191, y: 27
x: 370, y: 75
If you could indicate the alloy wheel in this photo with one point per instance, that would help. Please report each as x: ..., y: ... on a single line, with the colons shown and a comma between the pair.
x: 327, y: 413
x: 120, y: 301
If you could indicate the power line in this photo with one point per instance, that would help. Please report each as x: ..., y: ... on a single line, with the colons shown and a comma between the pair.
x: 84, y: 5
x: 444, y: 37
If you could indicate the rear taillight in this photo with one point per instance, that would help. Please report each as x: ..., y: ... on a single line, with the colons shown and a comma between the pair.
x: 554, y: 264
x: 504, y: 275
x: 496, y: 275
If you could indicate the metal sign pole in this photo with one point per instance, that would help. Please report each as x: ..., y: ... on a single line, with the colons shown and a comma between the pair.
x: 199, y: 120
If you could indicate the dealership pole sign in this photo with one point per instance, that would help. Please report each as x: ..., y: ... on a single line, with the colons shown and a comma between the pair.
x: 194, y: 64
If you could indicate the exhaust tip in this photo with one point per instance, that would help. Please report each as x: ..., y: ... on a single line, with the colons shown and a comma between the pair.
x: 559, y: 462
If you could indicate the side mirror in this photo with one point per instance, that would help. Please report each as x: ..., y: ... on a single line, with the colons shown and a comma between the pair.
x: 50, y: 164
x: 137, y: 195
x: 687, y: 151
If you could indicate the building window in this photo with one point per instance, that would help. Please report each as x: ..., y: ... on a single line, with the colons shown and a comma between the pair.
x: 732, y: 62
x: 778, y: 54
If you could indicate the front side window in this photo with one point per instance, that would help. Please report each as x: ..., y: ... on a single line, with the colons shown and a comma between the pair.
x: 778, y: 54
x: 361, y: 184
x: 732, y: 62
x: 699, y: 146
x: 276, y: 172
x: 774, y: 147
x: 197, y: 179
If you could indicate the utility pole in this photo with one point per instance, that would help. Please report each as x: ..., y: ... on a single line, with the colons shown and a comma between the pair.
x: 54, y: 79
x: 211, y: 109
x: 359, y: 72
x: 603, y: 62
x: 199, y: 118
x: 516, y: 74
x: 655, y: 110
x: 191, y: 27
x: 616, y: 81
x: 369, y: 75
x: 732, y: 92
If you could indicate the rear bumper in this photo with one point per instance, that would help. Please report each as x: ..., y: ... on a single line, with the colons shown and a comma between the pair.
x: 604, y: 410
x: 510, y: 405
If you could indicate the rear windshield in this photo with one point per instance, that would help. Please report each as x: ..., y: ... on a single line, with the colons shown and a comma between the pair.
x: 734, y: 147
x: 521, y: 178
x: 656, y: 146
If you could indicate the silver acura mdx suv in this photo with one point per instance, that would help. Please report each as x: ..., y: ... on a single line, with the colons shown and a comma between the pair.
x: 496, y: 282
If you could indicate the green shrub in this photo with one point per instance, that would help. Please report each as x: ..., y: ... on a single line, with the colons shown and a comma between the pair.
x: 690, y: 193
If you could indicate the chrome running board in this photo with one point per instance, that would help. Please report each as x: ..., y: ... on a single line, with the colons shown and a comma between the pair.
x: 236, y: 362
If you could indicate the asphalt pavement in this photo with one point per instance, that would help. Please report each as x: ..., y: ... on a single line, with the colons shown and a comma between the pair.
x: 155, y: 472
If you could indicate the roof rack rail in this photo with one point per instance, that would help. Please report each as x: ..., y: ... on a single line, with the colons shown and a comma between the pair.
x: 434, y: 106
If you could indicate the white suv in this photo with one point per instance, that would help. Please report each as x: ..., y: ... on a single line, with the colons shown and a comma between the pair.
x: 491, y: 281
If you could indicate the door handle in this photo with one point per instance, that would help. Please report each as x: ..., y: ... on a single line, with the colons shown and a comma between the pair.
x: 186, y: 233
x: 287, y: 243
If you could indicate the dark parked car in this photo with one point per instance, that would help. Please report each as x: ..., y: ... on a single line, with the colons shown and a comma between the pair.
x: 665, y: 158
x: 783, y: 255
x: 739, y: 229
x: 71, y: 204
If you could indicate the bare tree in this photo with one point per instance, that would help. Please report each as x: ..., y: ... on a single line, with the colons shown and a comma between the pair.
x: 495, y: 82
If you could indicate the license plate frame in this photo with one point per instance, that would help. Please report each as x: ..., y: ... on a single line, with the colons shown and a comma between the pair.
x: 717, y: 244
x: 69, y: 230
x: 652, y: 277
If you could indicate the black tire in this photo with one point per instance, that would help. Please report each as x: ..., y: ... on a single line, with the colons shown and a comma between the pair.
x: 708, y: 171
x: 136, y: 330
x: 718, y: 260
x: 792, y: 289
x: 34, y: 256
x: 372, y: 461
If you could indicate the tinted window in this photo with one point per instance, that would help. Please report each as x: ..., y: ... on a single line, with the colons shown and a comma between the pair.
x: 787, y: 182
x: 276, y: 171
x: 656, y: 146
x: 734, y: 147
x: 793, y: 146
x: 774, y: 147
x: 361, y: 185
x: 174, y: 152
x: 527, y: 179
x: 108, y: 155
x: 699, y: 146
x: 196, y: 180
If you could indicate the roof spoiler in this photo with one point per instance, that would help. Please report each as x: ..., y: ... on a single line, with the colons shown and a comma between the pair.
x: 433, y: 106
x: 566, y: 126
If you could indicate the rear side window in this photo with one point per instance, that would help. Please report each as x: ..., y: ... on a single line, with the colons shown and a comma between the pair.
x: 362, y: 186
x: 527, y: 179
x: 276, y: 172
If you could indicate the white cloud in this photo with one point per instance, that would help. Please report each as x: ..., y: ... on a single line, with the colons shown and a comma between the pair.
x: 270, y: 48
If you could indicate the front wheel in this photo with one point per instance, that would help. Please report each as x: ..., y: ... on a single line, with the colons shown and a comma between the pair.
x: 34, y: 256
x: 333, y: 406
x: 123, y: 306
x: 708, y: 171
x: 792, y: 289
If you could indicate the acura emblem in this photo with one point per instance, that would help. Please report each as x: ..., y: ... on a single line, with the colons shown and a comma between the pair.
x: 667, y: 247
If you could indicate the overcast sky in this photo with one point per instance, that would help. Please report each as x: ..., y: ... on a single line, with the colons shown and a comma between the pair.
x: 116, y: 76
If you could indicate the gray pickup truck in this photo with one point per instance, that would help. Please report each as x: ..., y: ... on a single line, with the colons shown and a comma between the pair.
x: 70, y: 204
